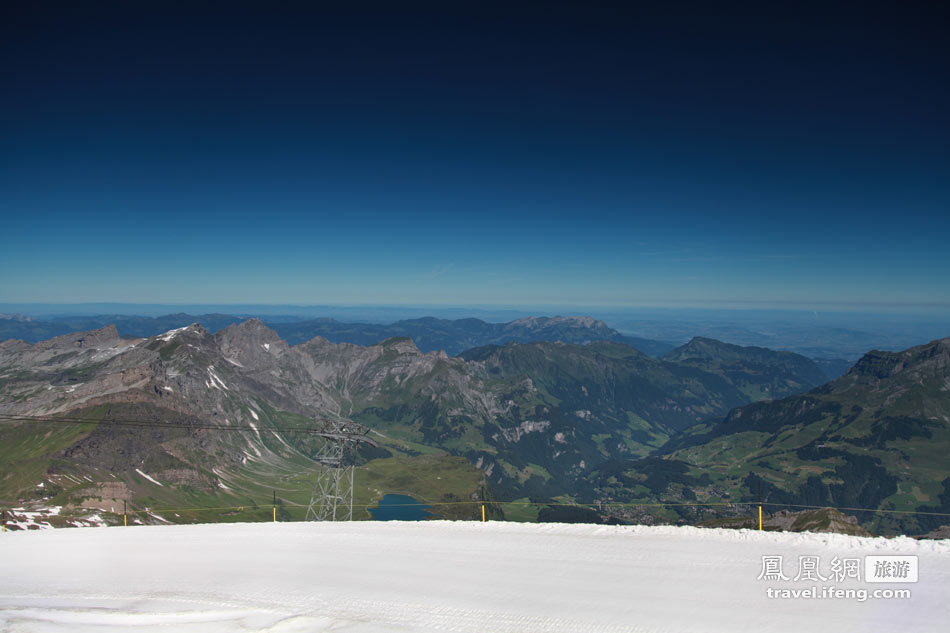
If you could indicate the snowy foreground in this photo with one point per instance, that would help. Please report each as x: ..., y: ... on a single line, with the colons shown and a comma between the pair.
x: 444, y: 576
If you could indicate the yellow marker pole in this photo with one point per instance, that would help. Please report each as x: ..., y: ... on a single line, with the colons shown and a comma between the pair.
x: 125, y: 514
x: 483, y: 513
x: 760, y: 505
x: 275, y: 506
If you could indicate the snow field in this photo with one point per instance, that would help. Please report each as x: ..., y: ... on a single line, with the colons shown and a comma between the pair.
x: 442, y: 576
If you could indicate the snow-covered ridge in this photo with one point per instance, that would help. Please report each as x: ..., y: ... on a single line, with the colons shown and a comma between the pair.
x: 170, y: 334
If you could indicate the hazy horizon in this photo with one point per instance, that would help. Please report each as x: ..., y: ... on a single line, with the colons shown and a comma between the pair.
x: 938, y: 311
x: 815, y: 333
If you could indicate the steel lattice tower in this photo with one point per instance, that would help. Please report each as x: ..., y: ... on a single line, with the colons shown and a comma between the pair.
x: 332, y: 498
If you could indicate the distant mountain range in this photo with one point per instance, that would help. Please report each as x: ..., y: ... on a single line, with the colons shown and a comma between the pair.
x: 591, y: 420
x: 758, y: 372
x: 455, y: 336
x: 428, y: 333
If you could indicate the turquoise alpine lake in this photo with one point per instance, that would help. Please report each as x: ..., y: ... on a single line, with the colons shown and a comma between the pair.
x: 400, y: 508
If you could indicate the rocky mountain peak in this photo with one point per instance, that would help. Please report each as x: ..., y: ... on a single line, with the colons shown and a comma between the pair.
x: 194, y: 330
x: 877, y: 364
x: 579, y: 321
x: 700, y: 342
x: 402, y: 345
x: 700, y: 347
x: 933, y: 356
x: 81, y: 340
x: 937, y: 351
x: 536, y: 323
x: 250, y: 343
x: 252, y: 328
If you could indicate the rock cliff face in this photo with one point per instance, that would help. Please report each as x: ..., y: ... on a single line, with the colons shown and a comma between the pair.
x: 922, y: 361
x: 59, y: 374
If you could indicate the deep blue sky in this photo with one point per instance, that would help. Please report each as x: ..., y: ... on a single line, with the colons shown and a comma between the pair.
x: 283, y: 154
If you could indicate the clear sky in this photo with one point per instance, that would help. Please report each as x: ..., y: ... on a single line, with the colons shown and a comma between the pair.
x: 286, y: 153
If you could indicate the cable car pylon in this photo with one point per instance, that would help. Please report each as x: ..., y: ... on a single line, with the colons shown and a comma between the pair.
x: 332, y: 498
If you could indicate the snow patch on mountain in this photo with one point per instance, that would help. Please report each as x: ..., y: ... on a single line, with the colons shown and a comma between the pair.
x: 215, y: 381
x: 170, y: 334
x: 149, y: 478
